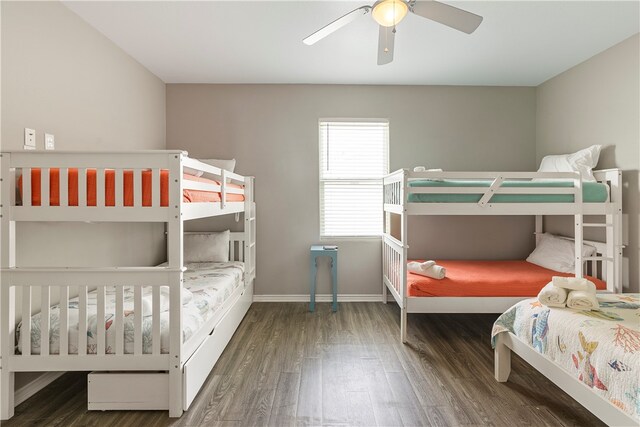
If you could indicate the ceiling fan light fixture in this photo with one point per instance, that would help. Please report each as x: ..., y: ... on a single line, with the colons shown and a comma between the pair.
x: 389, y: 12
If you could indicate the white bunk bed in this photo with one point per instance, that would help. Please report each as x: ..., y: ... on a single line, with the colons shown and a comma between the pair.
x: 400, y: 202
x: 158, y: 186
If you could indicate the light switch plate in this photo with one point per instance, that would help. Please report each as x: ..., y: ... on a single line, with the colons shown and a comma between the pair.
x: 49, y: 141
x: 29, y: 139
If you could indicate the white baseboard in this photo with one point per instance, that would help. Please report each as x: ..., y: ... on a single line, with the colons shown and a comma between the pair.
x: 34, y: 386
x: 319, y: 298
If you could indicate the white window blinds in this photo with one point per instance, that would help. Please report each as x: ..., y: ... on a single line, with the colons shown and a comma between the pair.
x: 353, y: 159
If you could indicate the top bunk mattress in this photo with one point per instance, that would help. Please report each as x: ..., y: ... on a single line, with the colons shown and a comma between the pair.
x: 207, y: 285
x: 514, y: 278
x: 592, y: 192
x: 188, y: 196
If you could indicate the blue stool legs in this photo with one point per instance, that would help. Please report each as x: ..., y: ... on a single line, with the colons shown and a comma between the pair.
x: 313, y: 271
x: 334, y: 279
x: 314, y: 275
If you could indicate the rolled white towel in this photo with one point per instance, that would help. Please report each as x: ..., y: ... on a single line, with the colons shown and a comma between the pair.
x: 574, y: 284
x: 552, y: 296
x: 427, y: 264
x: 435, y: 271
x: 416, y: 265
x: 582, y: 300
x: 419, y: 169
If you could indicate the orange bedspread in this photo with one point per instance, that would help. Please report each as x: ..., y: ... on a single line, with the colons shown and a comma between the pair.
x: 486, y: 279
x: 191, y: 196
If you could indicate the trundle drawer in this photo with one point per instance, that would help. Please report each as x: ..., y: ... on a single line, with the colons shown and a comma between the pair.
x: 128, y: 390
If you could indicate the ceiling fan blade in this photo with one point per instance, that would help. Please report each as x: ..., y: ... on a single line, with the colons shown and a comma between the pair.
x: 336, y: 25
x: 448, y: 15
x: 386, y: 38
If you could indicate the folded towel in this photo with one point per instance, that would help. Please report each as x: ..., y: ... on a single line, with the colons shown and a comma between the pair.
x: 417, y: 266
x: 574, y: 284
x: 427, y: 264
x: 582, y: 300
x: 435, y: 271
x: 552, y: 296
x: 419, y: 169
x: 414, y: 266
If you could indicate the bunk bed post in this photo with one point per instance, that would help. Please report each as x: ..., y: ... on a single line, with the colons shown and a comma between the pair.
x: 539, y: 228
x: 614, y: 235
x: 501, y: 360
x: 403, y: 269
x: 175, y: 237
x: 7, y: 298
x: 578, y: 228
x: 249, y: 228
x: 385, y: 231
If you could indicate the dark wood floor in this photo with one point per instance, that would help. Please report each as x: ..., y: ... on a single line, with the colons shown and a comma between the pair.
x: 286, y: 366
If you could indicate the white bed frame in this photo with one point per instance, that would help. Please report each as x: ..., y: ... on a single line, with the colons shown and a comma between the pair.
x: 506, y: 342
x: 188, y: 364
x: 606, y: 264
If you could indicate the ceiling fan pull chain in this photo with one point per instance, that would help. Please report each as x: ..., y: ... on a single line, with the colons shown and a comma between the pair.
x: 386, y: 41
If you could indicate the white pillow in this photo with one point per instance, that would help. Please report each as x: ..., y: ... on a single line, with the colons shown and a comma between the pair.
x: 228, y: 165
x: 557, y: 254
x: 582, y: 161
x: 206, y: 247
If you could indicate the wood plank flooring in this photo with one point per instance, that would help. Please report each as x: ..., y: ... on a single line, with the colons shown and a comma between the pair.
x: 286, y: 366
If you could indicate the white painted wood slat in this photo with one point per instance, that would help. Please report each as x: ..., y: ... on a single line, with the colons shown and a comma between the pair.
x: 64, y: 320
x: 137, y: 187
x: 100, y: 188
x: 64, y: 187
x: 156, y: 320
x: 44, y: 187
x: 25, y: 332
x: 138, y: 315
x: 45, y: 321
x: 82, y: 320
x: 100, y: 321
x: 119, y: 320
x: 155, y: 187
x: 82, y: 187
x: 26, y: 186
x: 119, y: 187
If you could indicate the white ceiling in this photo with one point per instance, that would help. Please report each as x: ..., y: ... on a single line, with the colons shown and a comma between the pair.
x: 518, y: 43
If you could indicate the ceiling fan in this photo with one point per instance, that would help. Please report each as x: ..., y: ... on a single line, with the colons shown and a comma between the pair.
x: 388, y: 13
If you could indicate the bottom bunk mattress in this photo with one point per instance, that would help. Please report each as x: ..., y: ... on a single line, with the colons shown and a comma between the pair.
x: 600, y: 348
x: 516, y: 278
x: 206, y: 287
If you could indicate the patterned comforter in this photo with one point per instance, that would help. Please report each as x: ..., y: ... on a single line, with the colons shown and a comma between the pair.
x: 206, y: 287
x: 600, y: 348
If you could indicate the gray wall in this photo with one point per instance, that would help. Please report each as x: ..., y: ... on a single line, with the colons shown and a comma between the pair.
x: 61, y: 76
x: 597, y: 102
x: 272, y: 130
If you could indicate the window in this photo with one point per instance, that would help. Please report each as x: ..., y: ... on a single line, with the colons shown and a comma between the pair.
x: 353, y: 159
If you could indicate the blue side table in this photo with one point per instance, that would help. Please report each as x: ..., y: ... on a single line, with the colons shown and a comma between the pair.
x: 316, y: 251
